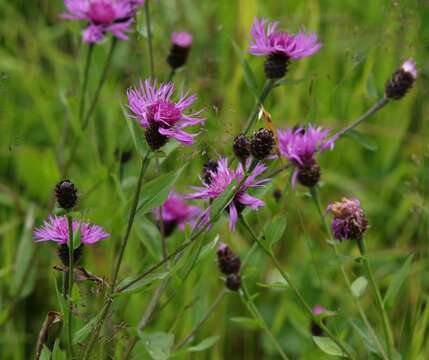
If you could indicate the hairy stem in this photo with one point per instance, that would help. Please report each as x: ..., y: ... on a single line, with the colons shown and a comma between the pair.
x: 70, y: 289
x: 316, y: 199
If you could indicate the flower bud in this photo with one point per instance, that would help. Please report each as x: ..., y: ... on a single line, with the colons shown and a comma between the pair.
x: 276, y: 65
x: 233, y: 282
x: 262, y: 143
x: 241, y: 147
x: 66, y: 194
x: 229, y: 263
x: 402, y: 80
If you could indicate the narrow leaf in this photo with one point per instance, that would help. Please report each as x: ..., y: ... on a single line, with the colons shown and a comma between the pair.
x: 247, y: 322
x: 397, y: 281
x: 249, y: 76
x: 205, y: 344
x: 362, y: 139
x: 140, y: 145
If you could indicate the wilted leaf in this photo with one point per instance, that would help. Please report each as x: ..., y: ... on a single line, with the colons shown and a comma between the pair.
x: 49, y: 332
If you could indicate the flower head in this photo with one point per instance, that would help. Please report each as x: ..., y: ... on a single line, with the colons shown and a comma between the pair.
x: 315, y: 329
x: 182, y: 39
x: 220, y: 180
x: 176, y: 212
x: 228, y: 261
x: 300, y: 145
x: 103, y: 16
x: 162, y: 117
x: 66, y: 194
x: 268, y: 40
x: 56, y: 229
x: 402, y: 80
x: 349, y: 219
x: 180, y: 45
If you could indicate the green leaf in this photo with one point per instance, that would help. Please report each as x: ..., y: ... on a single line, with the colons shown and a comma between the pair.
x: 222, y: 201
x: 288, y: 82
x: 359, y: 286
x: 205, y: 344
x: 397, y: 281
x: 274, y: 230
x: 84, y: 331
x: 366, y: 339
x: 155, y: 192
x: 247, y: 322
x: 57, y: 354
x: 362, y: 139
x: 158, y: 344
x: 140, y: 285
x: 249, y: 76
x: 23, y: 280
x: 45, y: 354
x: 275, y: 285
x: 328, y: 346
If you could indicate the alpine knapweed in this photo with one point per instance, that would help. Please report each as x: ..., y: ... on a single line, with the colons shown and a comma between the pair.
x: 55, y: 228
x: 103, y: 16
x: 162, y: 117
x: 220, y: 180
x: 66, y: 194
x: 280, y: 47
x: 402, y: 80
x: 299, y: 146
x: 349, y: 220
x: 175, y: 212
x: 181, y: 43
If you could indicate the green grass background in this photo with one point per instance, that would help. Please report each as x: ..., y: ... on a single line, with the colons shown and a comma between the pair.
x: 41, y: 60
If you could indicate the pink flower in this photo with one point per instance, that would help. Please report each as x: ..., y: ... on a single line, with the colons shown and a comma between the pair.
x: 56, y: 229
x: 114, y: 16
x: 182, y: 39
x: 300, y: 145
x: 159, y: 114
x: 176, y: 212
x: 220, y: 180
x: 268, y: 40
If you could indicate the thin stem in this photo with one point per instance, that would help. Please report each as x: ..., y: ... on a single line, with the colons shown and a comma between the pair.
x: 200, y: 323
x: 295, y: 290
x: 316, y: 199
x: 385, y: 319
x: 91, y: 109
x: 377, y: 106
x: 247, y: 299
x: 144, y: 164
x: 70, y: 289
x: 268, y: 86
x: 85, y: 82
x: 171, y: 75
x: 149, y: 39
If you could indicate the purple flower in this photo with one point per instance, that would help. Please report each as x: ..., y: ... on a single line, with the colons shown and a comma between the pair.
x: 409, y: 66
x: 402, y: 80
x: 267, y: 40
x: 56, y: 229
x: 220, y: 180
x: 300, y: 145
x: 176, y: 212
x: 318, y: 309
x: 159, y: 114
x: 114, y: 16
x: 182, y: 39
x: 349, y: 219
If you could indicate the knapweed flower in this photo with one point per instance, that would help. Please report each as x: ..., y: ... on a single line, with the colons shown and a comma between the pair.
x: 56, y: 229
x: 280, y: 46
x: 241, y: 147
x: 103, y: 16
x: 162, y: 117
x: 299, y: 146
x: 176, y: 212
x: 262, y: 143
x: 402, y: 80
x: 315, y: 329
x: 228, y: 261
x: 220, y: 180
x: 233, y: 282
x: 66, y: 194
x: 349, y: 220
x: 180, y: 45
x: 209, y: 169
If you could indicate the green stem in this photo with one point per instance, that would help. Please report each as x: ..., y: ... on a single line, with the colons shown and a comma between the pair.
x: 268, y: 86
x: 295, y: 290
x: 385, y: 319
x: 257, y: 315
x: 377, y: 106
x: 92, y: 106
x: 85, y: 82
x: 70, y: 289
x: 144, y: 164
x: 149, y: 39
x: 171, y: 75
x: 315, y: 196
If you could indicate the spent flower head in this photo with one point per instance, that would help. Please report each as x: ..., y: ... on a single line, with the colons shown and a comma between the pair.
x: 280, y: 46
x: 222, y: 177
x: 103, y: 16
x: 349, y: 220
x: 402, y: 80
x: 160, y: 115
x: 300, y: 146
x: 55, y: 228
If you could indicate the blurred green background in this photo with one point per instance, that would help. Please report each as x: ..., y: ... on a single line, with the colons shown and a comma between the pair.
x: 41, y: 60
